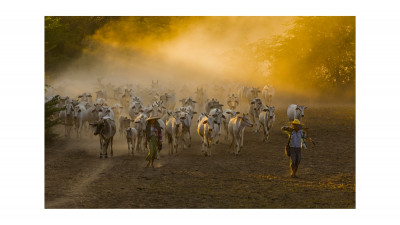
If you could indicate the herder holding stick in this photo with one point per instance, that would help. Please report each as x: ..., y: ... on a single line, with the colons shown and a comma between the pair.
x: 297, y: 137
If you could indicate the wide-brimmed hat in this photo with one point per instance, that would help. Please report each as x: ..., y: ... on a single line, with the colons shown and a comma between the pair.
x: 296, y: 122
x: 152, y: 118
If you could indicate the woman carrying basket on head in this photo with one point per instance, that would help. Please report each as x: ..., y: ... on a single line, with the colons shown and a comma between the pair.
x: 296, y: 142
x: 153, y: 139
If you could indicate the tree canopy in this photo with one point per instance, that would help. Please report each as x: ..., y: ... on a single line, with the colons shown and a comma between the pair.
x: 316, y: 52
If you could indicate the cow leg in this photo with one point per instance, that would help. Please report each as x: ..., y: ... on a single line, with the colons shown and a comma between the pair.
x: 134, y: 145
x: 204, y: 144
x: 128, y: 145
x: 190, y: 138
x: 209, y: 149
x: 101, y: 148
x: 237, y: 145
x: 171, y: 140
x: 232, y: 142
x: 138, y: 143
x: 265, y: 134
x: 111, y: 144
x: 105, y: 147
x: 170, y: 145
x: 241, y: 138
x: 78, y: 132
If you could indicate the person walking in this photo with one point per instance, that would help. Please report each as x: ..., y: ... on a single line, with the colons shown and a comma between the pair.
x: 296, y: 142
x: 153, y: 139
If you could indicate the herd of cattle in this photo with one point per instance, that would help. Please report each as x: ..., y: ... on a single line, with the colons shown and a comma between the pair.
x: 126, y: 115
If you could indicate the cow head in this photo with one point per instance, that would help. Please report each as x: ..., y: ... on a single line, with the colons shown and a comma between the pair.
x: 77, y: 111
x: 300, y: 110
x: 69, y: 109
x: 210, y: 120
x: 271, y: 111
x: 256, y: 103
x: 246, y: 120
x: 233, y: 113
x: 98, y: 126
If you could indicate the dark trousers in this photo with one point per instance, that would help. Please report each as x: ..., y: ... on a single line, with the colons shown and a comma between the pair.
x: 295, y: 157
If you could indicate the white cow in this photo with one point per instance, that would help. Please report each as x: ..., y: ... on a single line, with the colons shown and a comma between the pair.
x: 186, y: 121
x: 100, y: 101
x: 188, y: 102
x: 81, y: 116
x: 174, y: 132
x: 212, y: 104
x: 140, y: 126
x: 267, y: 93
x: 117, y: 108
x: 168, y: 100
x: 247, y: 93
x: 295, y: 112
x: 101, y: 94
x: 131, y: 139
x: 201, y: 96
x: 233, y: 101
x: 126, y: 99
x: 106, y: 111
x: 158, y: 109
x: 228, y: 114
x: 86, y: 97
x: 219, y: 116
x: 236, y: 131
x: 267, y: 119
x: 255, y: 108
x: 134, y: 109
x: 205, y: 129
x: 124, y: 123
x: 106, y: 130
x: 67, y: 117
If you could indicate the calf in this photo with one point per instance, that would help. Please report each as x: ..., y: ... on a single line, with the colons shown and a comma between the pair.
x: 236, y: 130
x: 254, y: 112
x: 106, y: 129
x: 131, y: 138
x: 228, y: 114
x: 295, y: 112
x: 205, y: 129
x: 173, y: 132
x: 267, y: 119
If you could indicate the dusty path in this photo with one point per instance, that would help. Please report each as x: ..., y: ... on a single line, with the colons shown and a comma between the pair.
x: 259, y: 178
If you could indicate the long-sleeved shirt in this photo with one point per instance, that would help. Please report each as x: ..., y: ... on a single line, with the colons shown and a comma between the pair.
x: 296, y: 140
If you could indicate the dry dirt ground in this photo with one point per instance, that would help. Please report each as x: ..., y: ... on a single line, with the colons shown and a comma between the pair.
x: 75, y: 177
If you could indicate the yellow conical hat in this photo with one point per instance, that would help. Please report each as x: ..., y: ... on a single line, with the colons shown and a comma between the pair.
x: 297, y: 122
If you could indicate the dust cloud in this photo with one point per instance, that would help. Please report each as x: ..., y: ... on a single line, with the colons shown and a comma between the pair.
x: 187, y: 52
